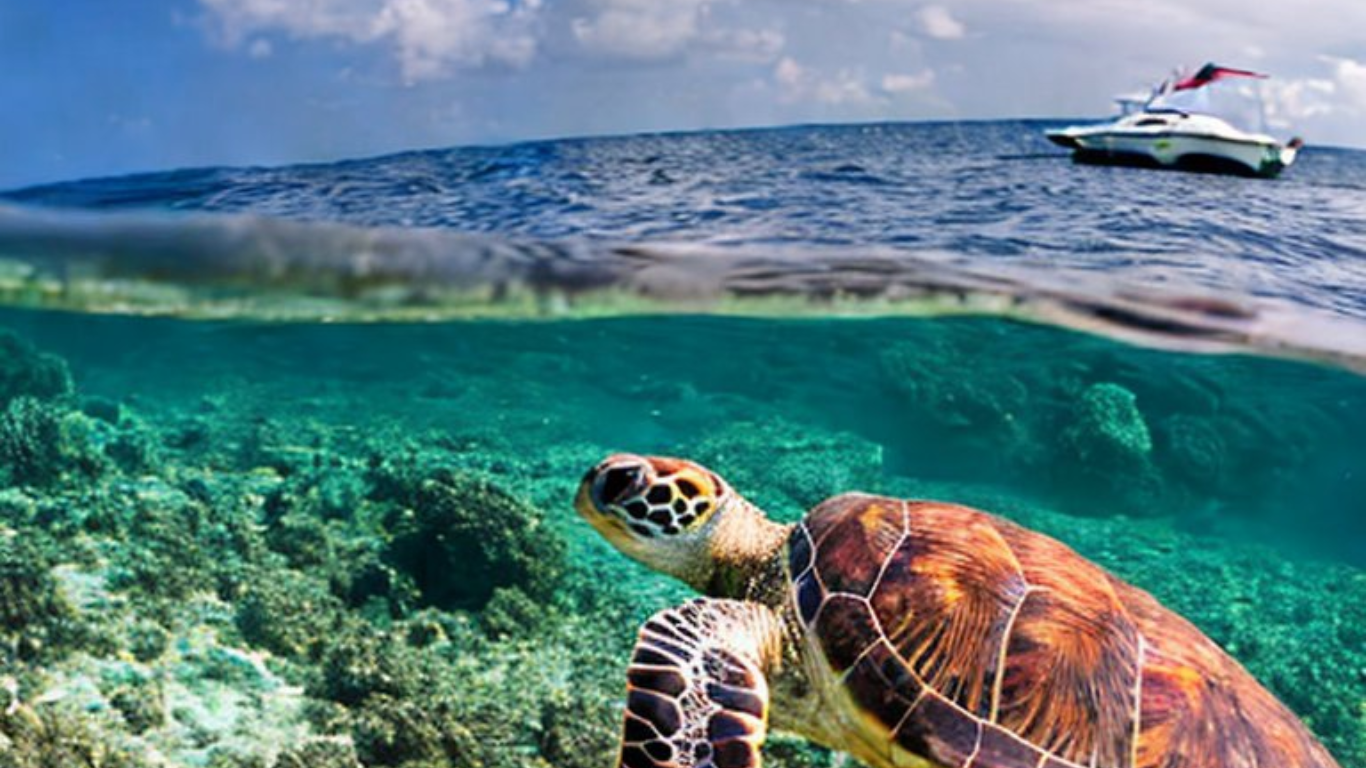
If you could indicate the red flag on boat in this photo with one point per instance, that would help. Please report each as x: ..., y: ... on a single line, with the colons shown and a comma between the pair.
x: 1209, y: 73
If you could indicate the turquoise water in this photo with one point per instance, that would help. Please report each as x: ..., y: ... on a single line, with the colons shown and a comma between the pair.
x: 237, y: 492
x: 241, y: 527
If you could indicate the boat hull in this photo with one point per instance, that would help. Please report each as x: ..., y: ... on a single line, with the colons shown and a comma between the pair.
x: 1210, y: 154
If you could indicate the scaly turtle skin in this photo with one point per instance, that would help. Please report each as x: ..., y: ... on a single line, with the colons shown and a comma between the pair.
x: 911, y: 633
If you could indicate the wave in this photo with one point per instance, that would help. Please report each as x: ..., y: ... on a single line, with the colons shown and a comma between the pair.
x: 247, y: 267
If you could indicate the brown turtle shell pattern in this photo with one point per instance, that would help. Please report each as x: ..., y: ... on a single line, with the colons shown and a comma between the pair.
x: 971, y: 641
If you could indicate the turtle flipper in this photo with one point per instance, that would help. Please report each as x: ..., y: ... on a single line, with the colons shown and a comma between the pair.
x: 696, y: 693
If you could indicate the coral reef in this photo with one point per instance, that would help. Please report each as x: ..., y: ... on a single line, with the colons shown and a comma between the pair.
x: 36, y: 620
x: 460, y: 537
x: 57, y: 737
x: 787, y: 468
x: 276, y: 573
x: 26, y: 372
x: 41, y: 443
x: 1107, y: 453
x: 287, y: 613
x: 1108, y: 429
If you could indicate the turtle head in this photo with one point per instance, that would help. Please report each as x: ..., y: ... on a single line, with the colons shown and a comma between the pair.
x: 675, y: 516
x: 657, y: 510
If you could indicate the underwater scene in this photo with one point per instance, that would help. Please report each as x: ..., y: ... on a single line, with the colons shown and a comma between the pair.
x: 289, y: 456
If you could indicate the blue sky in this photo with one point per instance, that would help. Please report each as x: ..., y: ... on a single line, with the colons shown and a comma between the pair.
x: 95, y: 87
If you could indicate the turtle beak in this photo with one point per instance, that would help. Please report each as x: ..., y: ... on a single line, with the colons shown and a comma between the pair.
x: 613, y: 481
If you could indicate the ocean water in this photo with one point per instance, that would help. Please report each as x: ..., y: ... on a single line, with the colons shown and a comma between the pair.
x: 288, y: 453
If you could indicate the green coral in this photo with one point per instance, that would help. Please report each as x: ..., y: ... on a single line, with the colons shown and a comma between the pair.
x: 57, y: 737
x: 134, y: 448
x: 34, y: 616
x: 788, y: 468
x: 26, y: 372
x: 460, y: 536
x: 576, y: 730
x: 287, y: 613
x: 318, y: 754
x: 932, y: 377
x: 405, y: 732
x: 171, y: 560
x: 1195, y: 451
x: 142, y: 705
x: 41, y: 443
x: 1108, y: 427
x: 1106, y: 461
x: 362, y: 663
x: 511, y: 614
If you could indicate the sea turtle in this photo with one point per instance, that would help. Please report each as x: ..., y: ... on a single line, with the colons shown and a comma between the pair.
x: 911, y: 633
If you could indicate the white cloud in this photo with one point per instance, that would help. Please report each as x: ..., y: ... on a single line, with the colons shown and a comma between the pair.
x: 907, y: 83
x: 649, y: 30
x: 937, y: 22
x: 755, y: 45
x: 828, y: 59
x: 800, y: 84
x: 1304, y: 103
x: 640, y: 29
x: 1290, y: 102
x: 430, y: 37
x: 1350, y: 76
x: 432, y: 34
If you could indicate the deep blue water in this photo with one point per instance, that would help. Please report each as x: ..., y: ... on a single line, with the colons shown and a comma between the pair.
x: 993, y: 192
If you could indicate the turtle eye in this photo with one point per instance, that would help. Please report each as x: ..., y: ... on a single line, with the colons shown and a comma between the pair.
x: 695, y: 498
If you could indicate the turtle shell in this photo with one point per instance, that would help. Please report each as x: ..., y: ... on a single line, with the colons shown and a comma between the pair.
x: 952, y: 636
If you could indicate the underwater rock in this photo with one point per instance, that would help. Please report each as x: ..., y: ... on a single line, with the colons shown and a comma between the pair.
x: 103, y: 409
x: 409, y: 733
x: 791, y: 467
x: 228, y: 757
x: 460, y: 537
x: 147, y: 641
x: 17, y: 507
x: 795, y: 752
x: 26, y: 372
x: 299, y: 536
x: 41, y: 443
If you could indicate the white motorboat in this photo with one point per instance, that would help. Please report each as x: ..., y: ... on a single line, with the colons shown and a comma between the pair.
x: 1177, y: 128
